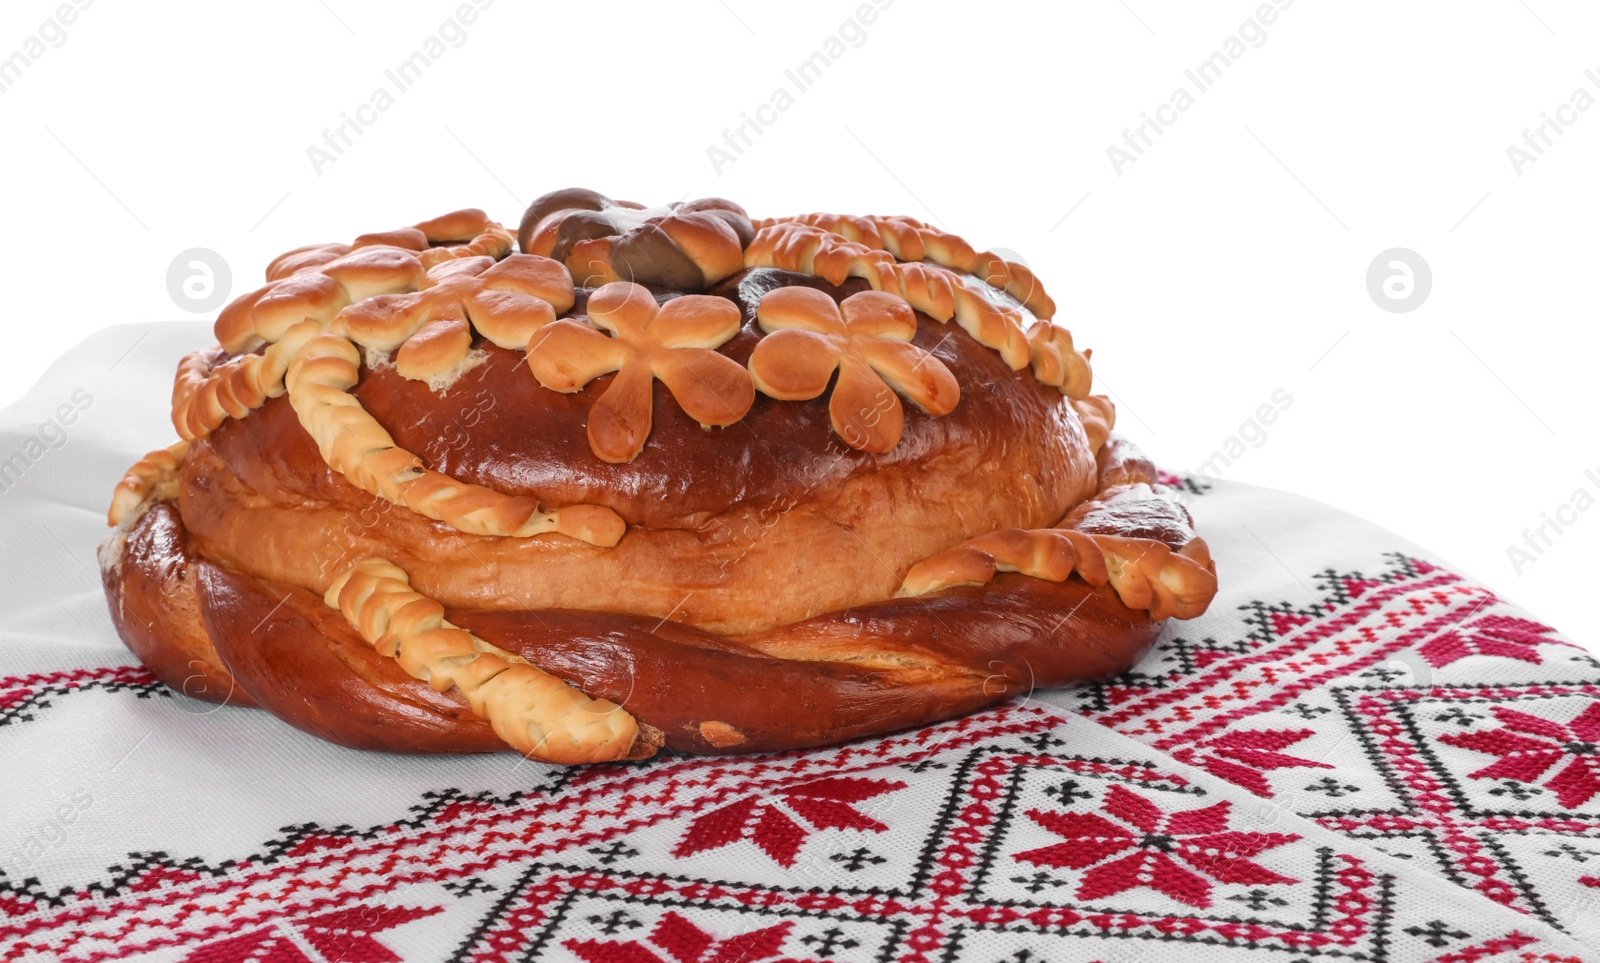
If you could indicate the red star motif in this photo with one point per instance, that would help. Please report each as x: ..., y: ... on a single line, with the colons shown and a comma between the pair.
x: 1157, y: 845
x: 1501, y: 635
x: 1242, y: 758
x: 684, y: 942
x: 821, y: 804
x: 1530, y: 746
x: 340, y: 935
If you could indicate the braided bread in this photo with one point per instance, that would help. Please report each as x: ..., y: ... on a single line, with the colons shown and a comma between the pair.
x: 603, y: 496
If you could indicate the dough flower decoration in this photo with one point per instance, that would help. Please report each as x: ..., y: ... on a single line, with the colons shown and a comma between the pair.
x: 365, y: 283
x: 672, y: 343
x: 867, y: 340
x: 459, y: 234
x: 430, y: 329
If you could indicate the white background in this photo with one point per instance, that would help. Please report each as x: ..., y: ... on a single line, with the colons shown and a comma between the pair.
x: 1227, y: 262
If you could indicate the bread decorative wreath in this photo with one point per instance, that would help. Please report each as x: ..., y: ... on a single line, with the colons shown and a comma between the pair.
x: 666, y: 477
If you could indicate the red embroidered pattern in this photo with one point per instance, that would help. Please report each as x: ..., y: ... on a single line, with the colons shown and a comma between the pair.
x: 341, y: 935
x: 822, y: 804
x: 1159, y: 841
x: 1011, y: 835
x: 1244, y: 757
x: 1529, y: 746
x: 683, y: 942
x: 1497, y: 635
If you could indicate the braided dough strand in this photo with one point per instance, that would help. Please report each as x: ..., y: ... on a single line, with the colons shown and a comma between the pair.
x: 534, y: 712
x: 912, y: 240
x: 1098, y: 416
x: 206, y: 394
x: 1147, y: 573
x: 354, y: 444
x: 153, y: 477
x: 1056, y: 362
x: 935, y: 291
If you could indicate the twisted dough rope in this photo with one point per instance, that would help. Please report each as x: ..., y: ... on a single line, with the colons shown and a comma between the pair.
x: 381, y: 294
x: 204, y: 394
x: 1146, y: 573
x: 909, y: 239
x: 940, y: 293
x: 1098, y: 416
x: 325, y: 367
x: 155, y: 476
x: 536, y: 713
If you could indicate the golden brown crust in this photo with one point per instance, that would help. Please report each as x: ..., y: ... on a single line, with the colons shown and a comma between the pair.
x: 737, y: 571
x: 857, y: 672
x: 678, y: 436
x: 150, y: 583
x: 733, y: 529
